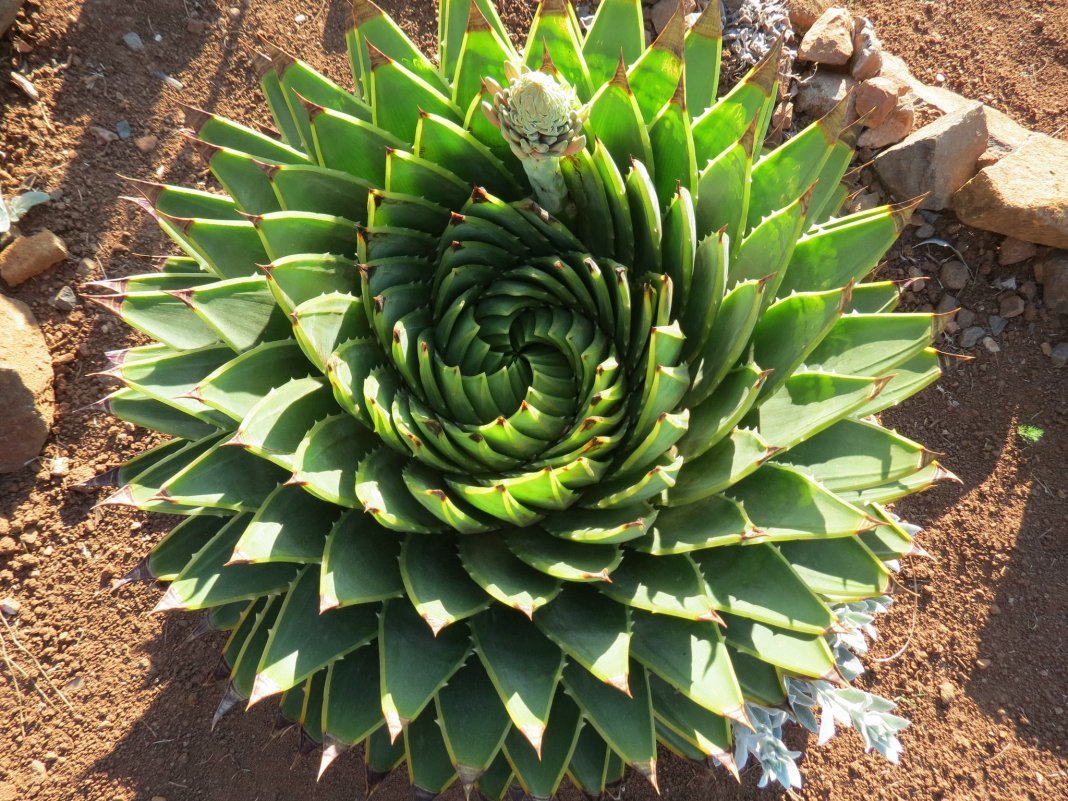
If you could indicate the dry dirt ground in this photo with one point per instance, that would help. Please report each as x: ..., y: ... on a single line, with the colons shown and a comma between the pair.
x: 115, y: 704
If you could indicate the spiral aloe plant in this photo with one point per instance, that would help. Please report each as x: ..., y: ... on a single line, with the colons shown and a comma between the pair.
x: 519, y: 406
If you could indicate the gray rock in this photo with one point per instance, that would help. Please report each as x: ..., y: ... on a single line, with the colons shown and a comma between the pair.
x: 970, y: 337
x: 947, y: 304
x: 664, y: 10
x: 65, y: 300
x: 25, y: 386
x: 822, y: 92
x: 965, y: 318
x: 997, y: 324
x: 925, y: 231
x: 954, y: 275
x: 1059, y: 354
x: 133, y: 41
x: 1052, y: 273
x: 123, y: 129
x: 938, y: 159
x: 1011, y: 306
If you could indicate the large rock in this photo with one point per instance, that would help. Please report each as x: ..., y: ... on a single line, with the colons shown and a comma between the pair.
x: 25, y: 386
x: 804, y: 13
x: 877, y: 97
x: 823, y: 91
x: 938, y: 159
x: 9, y: 9
x: 1024, y: 195
x: 893, y: 129
x: 829, y: 40
x: 1052, y: 273
x: 31, y: 255
x: 867, y: 51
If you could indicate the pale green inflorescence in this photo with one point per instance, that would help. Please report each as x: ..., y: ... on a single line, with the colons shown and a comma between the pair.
x: 520, y: 407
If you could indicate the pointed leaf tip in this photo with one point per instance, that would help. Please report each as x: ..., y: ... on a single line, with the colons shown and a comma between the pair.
x: 262, y: 687
x: 534, y: 732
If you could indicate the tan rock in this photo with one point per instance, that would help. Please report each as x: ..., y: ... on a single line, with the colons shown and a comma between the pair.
x: 804, y: 13
x: 867, y: 51
x: 829, y: 40
x: 936, y: 160
x: 1013, y: 251
x: 1024, y: 195
x: 893, y: 129
x: 25, y: 386
x: 147, y: 143
x: 878, y: 97
x: 31, y: 255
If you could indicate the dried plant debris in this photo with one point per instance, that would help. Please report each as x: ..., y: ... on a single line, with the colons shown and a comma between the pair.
x: 750, y: 30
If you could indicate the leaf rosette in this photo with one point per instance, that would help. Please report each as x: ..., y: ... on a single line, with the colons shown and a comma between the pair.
x: 512, y: 460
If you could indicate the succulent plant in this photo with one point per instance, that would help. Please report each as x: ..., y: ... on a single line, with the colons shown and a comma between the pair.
x: 509, y: 494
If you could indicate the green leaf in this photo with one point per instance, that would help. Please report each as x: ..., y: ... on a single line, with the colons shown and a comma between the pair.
x: 560, y: 558
x: 351, y: 710
x: 275, y: 428
x: 473, y: 721
x: 504, y: 577
x: 617, y: 29
x: 787, y: 172
x: 843, y: 569
x: 374, y: 28
x: 616, y: 120
x: 706, y: 731
x: 523, y: 665
x: 429, y: 768
x: 909, y: 378
x: 786, y: 504
x: 381, y: 489
x: 352, y: 145
x: 856, y: 454
x: 589, y: 762
x: 808, y: 403
x: 172, y: 553
x: 657, y: 71
x: 624, y: 721
x: 235, y: 387
x: 704, y: 44
x: 291, y: 526
x: 539, y: 771
x: 482, y: 51
x: 223, y: 478
x: 873, y: 344
x: 722, y: 466
x: 754, y: 581
x: 750, y: 102
x: 591, y: 629
x: 359, y: 563
x: 416, y: 663
x: 804, y: 654
x: 207, y: 580
x: 737, y: 316
x: 552, y: 32
x: 715, y: 417
x: 390, y: 80
x: 672, y: 143
x: 454, y: 18
x: 304, y: 639
x: 325, y: 462
x: 442, y: 141
x: 832, y: 255
x: 706, y: 523
x: 437, y: 583
x: 667, y: 585
x: 323, y: 323
x: 791, y: 329
x: 692, y: 657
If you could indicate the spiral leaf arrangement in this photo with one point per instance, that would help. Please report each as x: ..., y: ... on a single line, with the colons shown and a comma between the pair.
x: 519, y: 406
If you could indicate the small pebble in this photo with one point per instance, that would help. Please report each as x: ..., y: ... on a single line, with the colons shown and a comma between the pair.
x: 65, y: 300
x: 947, y: 693
x: 38, y: 768
x: 103, y: 134
x: 146, y: 144
x: 123, y: 129
x: 997, y: 324
x: 300, y: 18
x: 991, y: 345
x: 1059, y: 354
x: 9, y: 607
x: 954, y: 275
x: 925, y: 231
x: 995, y: 610
x: 970, y: 337
x: 133, y: 41
x: 983, y: 664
